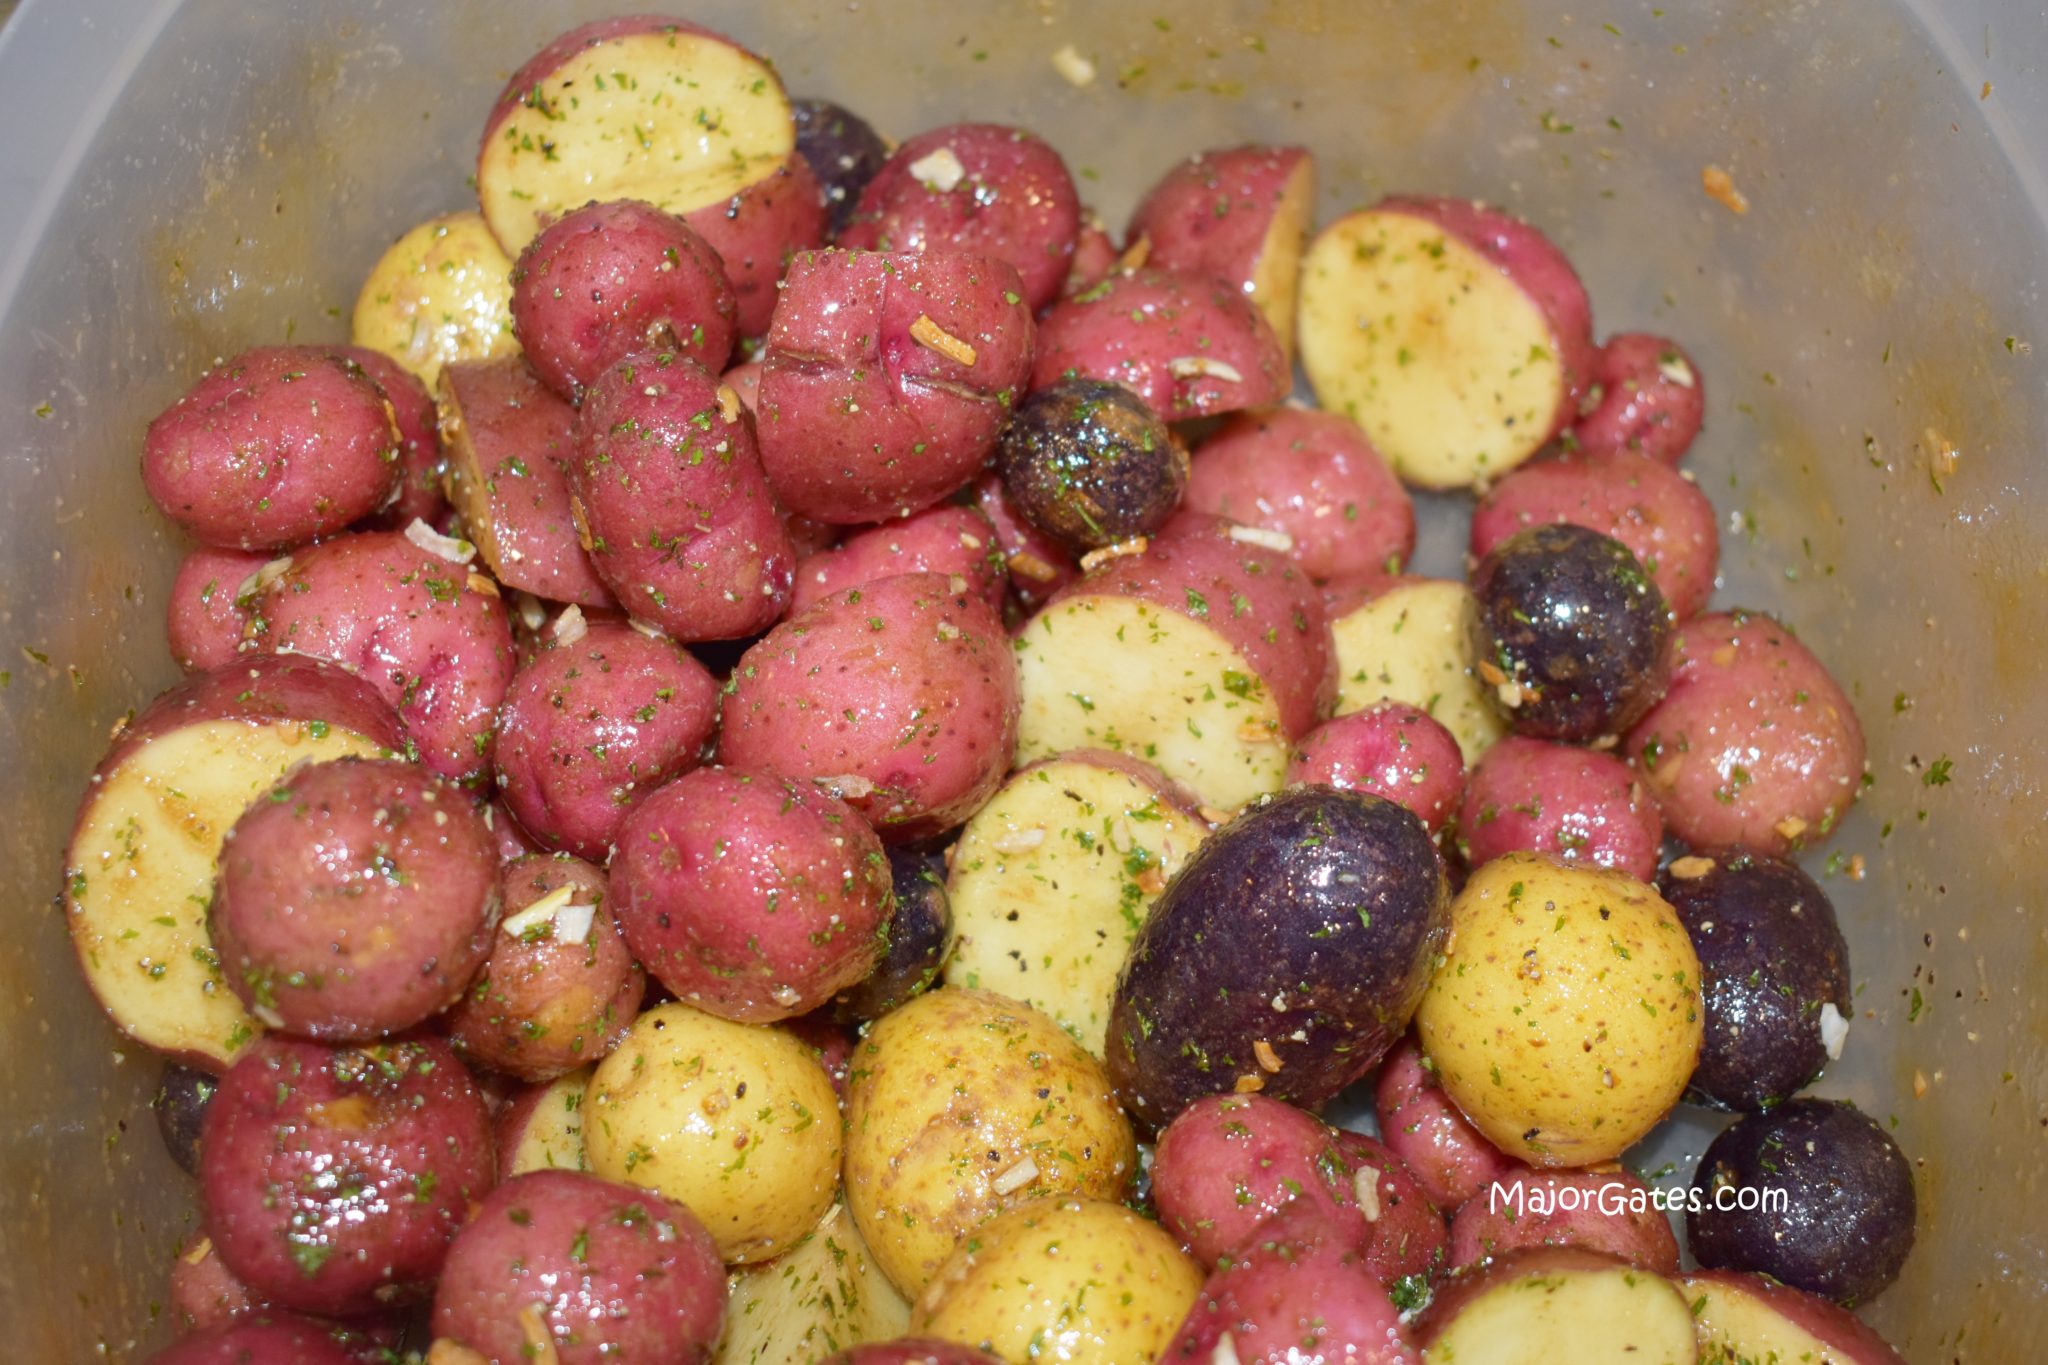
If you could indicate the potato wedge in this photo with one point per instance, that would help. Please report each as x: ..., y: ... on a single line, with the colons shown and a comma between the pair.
x: 441, y: 292
x: 821, y: 1296
x: 1410, y: 642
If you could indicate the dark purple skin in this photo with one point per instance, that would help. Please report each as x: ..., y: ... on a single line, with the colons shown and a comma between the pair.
x: 1331, y: 902
x: 844, y: 152
x: 181, y: 1099
x: 912, y: 1351
x: 274, y: 1339
x: 1847, y: 1225
x: 918, y: 932
x: 1770, y: 956
x: 333, y: 1179
x: 1090, y: 465
x: 1570, y: 616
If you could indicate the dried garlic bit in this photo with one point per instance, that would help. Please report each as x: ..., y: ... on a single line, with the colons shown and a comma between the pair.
x: 1075, y: 69
x: 1249, y: 1085
x: 1258, y: 732
x: 1024, y: 564
x: 1277, y: 541
x: 1834, y: 1030
x: 540, y: 1341
x: 1268, y: 1060
x: 1673, y: 367
x: 1720, y: 187
x: 581, y: 521
x: 263, y: 578
x: 1919, y: 1084
x: 1151, y: 881
x: 1135, y: 255
x: 1691, y: 867
x: 570, y: 626
x: 938, y: 170
x: 1214, y: 815
x: 532, y: 612
x: 440, y: 546
x: 651, y: 631
x: 482, y: 583
x: 446, y: 1351
x: 1857, y: 867
x: 1224, y: 1352
x: 1942, y: 454
x: 1022, y: 1173
x: 728, y: 403
x: 1367, y: 1185
x: 1136, y: 545
x: 1790, y: 828
x: 846, y: 786
x: 933, y: 337
x: 199, y: 1251
x: 1019, y: 840
x: 1202, y: 366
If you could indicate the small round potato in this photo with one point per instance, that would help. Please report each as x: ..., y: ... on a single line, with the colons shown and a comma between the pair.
x: 1564, y: 1016
x: 1106, y: 1284
x: 964, y: 1104
x: 735, y: 1122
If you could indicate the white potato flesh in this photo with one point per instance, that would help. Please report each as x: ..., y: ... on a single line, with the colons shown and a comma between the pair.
x: 1276, y: 276
x: 820, y: 1297
x: 674, y: 118
x: 1448, y: 365
x: 139, y: 875
x: 1736, y: 1327
x: 1051, y: 881
x: 1110, y: 672
x: 1412, y: 644
x: 552, y: 1137
x: 442, y: 292
x: 1616, y: 1316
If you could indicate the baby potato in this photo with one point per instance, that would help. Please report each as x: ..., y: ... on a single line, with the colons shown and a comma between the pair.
x: 1563, y: 1017
x: 1078, y: 1280
x: 961, y: 1105
x: 733, y: 1121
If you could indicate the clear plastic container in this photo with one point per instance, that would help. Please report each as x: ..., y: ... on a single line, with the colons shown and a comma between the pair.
x: 181, y: 180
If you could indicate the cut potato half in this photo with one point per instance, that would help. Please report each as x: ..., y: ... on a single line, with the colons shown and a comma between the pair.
x: 548, y: 1135
x: 1411, y: 644
x: 1539, y: 1308
x: 1052, y: 879
x: 1745, y: 1318
x: 636, y: 109
x: 1111, y: 672
x: 1444, y: 360
x: 817, y: 1299
x: 1276, y: 275
x: 442, y: 292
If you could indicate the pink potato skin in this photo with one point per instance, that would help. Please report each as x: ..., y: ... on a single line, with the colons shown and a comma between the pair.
x: 1826, y: 1321
x: 1418, y: 1122
x: 1576, y: 804
x: 1014, y: 202
x: 1389, y: 749
x: 513, y: 436
x: 1406, y: 1236
x: 901, y: 696
x: 204, y: 621
x: 406, y: 1125
x: 1212, y: 214
x: 861, y: 422
x: 956, y: 541
x: 589, y: 728
x: 1752, y: 735
x: 678, y: 518
x: 1610, y: 1213
x: 279, y: 445
x: 756, y: 234
x: 1662, y: 517
x: 745, y: 380
x: 912, y: 1351
x: 618, y: 1273
x: 419, y: 440
x: 1095, y: 255
x: 1532, y: 261
x: 612, y: 278
x: 432, y: 638
x: 1038, y: 565
x: 1642, y: 409
x: 275, y: 1339
x: 752, y: 897
x: 1313, y: 476
x: 1130, y: 328
x: 202, y: 1294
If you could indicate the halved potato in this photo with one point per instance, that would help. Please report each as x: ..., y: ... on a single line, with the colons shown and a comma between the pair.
x: 542, y: 1129
x: 441, y: 292
x: 1557, y: 1304
x: 639, y: 107
x: 1411, y: 642
x: 1052, y: 879
x: 820, y: 1297
x: 1745, y: 1317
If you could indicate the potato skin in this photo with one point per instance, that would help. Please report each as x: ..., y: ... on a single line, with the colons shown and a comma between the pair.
x: 1307, y: 924
x: 419, y: 439
x: 843, y: 150
x: 950, y: 1094
x: 1090, y: 465
x: 205, y: 618
x: 1651, y: 400
x: 182, y: 1096
x: 749, y: 896
x: 1447, y: 1156
x: 274, y: 1337
x: 1754, y: 745
x: 1604, y: 1211
x: 590, y: 727
x: 201, y: 1294
x: 1563, y: 1016
x: 276, y: 446
x: 354, y: 899
x: 901, y: 696
x: 609, y: 1272
x: 1039, y: 565
x: 757, y: 232
x: 944, y: 539
x: 1391, y: 750
x: 1576, y: 804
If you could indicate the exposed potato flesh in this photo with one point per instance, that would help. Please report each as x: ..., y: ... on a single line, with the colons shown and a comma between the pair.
x: 552, y: 1137
x: 1276, y: 276
x: 1411, y: 644
x: 1448, y: 365
x: 1614, y: 1315
x: 441, y: 292
x: 820, y: 1297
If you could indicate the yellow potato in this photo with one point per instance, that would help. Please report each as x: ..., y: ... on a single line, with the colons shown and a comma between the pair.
x: 963, y: 1104
x: 442, y: 292
x: 1564, y: 1016
x: 736, y: 1122
x: 1063, y: 1279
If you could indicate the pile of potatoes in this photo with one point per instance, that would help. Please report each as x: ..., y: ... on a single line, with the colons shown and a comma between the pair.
x: 794, y: 753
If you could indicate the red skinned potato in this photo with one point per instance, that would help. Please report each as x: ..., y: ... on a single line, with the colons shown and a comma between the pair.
x: 956, y: 541
x: 745, y: 380
x: 279, y: 445
x: 1558, y: 1303
x: 669, y: 493
x: 1576, y: 804
x: 1314, y: 478
x: 1754, y: 743
x: 1651, y: 400
x: 899, y: 697
x: 355, y: 899
x: 594, y: 115
x: 978, y: 187
x: 758, y: 231
x: 609, y: 279
x: 1239, y: 215
x: 205, y: 619
x: 1389, y: 749
x: 1419, y: 1123
x: 419, y: 439
x: 1186, y: 345
x: 1095, y: 255
x: 1038, y: 565
x: 559, y: 988
x: 594, y: 721
x: 429, y: 633
x: 273, y: 1339
x: 564, y: 1266
x: 406, y: 1124
x: 888, y: 379
x: 1662, y: 517
x: 202, y: 1294
x: 1607, y: 1211
x: 509, y: 446
x: 750, y: 896
x: 1744, y: 1317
